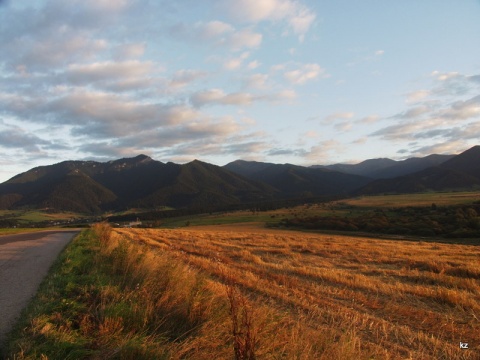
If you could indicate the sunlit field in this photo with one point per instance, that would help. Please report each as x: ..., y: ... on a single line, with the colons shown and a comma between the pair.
x: 374, y: 298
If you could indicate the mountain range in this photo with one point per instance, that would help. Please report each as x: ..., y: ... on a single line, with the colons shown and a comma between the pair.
x: 141, y: 182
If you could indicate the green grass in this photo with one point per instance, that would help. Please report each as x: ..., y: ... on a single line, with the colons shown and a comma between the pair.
x: 56, y: 302
x: 216, y: 219
x: 11, y: 231
x: 421, y: 199
x: 28, y: 218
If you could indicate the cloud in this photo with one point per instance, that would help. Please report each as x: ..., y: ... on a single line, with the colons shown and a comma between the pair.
x: 129, y: 51
x: 256, y: 81
x: 219, y: 34
x: 231, y: 144
x: 371, y: 119
x: 213, y: 29
x: 304, y: 74
x: 219, y: 97
x: 236, y: 62
x: 311, y: 134
x: 298, y: 16
x: 414, y: 112
x: 285, y: 152
x: 14, y: 137
x: 462, y: 110
x: 185, y: 77
x: 59, y: 50
x: 253, y: 64
x: 453, y: 83
x: 403, y: 130
x: 448, y: 147
x: 448, y: 112
x: 417, y: 96
x: 244, y: 39
x: 434, y: 123
x: 343, y: 126
x: 319, y: 154
x: 54, y: 33
x: 110, y: 71
x: 338, y: 116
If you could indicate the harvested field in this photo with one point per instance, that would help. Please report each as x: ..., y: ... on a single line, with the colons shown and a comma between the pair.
x: 339, y: 295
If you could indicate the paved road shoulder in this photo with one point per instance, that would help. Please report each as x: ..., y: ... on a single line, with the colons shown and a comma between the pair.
x: 24, y: 261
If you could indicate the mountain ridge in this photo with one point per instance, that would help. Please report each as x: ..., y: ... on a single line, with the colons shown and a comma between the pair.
x: 140, y: 181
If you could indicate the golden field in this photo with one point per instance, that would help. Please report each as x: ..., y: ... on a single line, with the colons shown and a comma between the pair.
x: 314, y: 296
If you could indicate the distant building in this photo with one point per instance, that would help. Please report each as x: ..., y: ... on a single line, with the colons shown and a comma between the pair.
x: 135, y: 223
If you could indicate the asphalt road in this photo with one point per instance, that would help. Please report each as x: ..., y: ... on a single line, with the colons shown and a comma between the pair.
x: 24, y: 261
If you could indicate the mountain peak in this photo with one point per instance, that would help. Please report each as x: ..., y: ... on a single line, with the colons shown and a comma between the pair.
x: 143, y: 158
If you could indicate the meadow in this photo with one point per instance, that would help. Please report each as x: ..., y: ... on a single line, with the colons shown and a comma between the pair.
x: 243, y: 291
x: 338, y: 296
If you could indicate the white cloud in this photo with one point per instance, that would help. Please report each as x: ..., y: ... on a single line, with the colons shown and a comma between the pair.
x: 245, y: 39
x: 129, y: 51
x: 343, y: 126
x: 257, y: 81
x: 453, y: 83
x: 43, y: 54
x: 301, y: 22
x: 285, y: 95
x: 338, y: 116
x: 369, y: 119
x: 219, y: 34
x: 449, y: 147
x: 319, y: 154
x: 109, y: 70
x: 311, y: 134
x: 214, y: 29
x: 445, y: 76
x: 298, y: 16
x: 416, y: 96
x: 110, y: 5
x: 253, y: 64
x: 219, y: 97
x: 235, y: 63
x: 184, y: 77
x: 415, y: 112
x: 462, y: 110
x: 305, y: 73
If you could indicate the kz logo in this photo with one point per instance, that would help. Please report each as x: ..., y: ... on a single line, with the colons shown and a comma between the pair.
x: 463, y: 345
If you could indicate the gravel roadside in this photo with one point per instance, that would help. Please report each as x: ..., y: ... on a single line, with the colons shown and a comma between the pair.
x: 24, y: 261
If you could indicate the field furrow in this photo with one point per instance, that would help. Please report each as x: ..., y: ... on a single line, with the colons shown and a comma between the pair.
x: 395, y: 298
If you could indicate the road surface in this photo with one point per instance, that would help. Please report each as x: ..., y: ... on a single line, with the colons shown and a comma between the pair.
x: 24, y: 262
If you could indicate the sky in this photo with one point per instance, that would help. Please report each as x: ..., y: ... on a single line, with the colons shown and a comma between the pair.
x: 284, y: 81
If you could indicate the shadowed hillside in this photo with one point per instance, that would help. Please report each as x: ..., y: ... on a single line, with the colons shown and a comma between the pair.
x: 459, y: 173
x: 141, y: 182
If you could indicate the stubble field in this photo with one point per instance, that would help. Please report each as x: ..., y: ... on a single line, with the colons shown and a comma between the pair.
x: 328, y: 296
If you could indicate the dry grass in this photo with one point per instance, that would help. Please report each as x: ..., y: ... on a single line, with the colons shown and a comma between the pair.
x: 322, y: 296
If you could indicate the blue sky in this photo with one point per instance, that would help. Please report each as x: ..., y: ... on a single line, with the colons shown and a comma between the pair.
x: 304, y: 82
